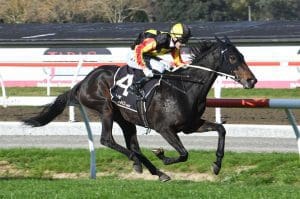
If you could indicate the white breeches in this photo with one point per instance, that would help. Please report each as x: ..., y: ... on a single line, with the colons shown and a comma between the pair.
x: 158, y: 65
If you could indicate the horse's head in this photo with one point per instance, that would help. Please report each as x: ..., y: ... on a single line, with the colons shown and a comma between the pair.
x: 232, y: 63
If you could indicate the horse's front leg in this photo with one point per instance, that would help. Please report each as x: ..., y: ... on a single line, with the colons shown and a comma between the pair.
x: 107, y: 138
x: 134, y: 153
x: 173, y: 139
x: 210, y: 126
x: 129, y: 132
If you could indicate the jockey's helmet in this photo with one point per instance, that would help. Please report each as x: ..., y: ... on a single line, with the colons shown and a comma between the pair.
x: 180, y: 31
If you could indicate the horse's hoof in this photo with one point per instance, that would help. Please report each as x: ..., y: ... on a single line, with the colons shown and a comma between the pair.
x: 158, y: 152
x: 138, y: 168
x: 215, y: 168
x: 164, y: 178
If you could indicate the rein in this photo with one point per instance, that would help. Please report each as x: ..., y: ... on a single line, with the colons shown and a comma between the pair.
x: 210, y: 70
x: 186, y: 78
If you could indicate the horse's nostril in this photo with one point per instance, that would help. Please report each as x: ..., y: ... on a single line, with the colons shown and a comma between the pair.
x: 252, y: 81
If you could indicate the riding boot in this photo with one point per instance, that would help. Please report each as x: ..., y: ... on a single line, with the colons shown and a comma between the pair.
x: 137, y: 87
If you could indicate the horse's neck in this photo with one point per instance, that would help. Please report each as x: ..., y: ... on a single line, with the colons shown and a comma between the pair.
x: 212, y: 62
x: 201, y: 91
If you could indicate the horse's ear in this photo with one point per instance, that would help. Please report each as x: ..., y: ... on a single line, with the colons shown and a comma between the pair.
x: 227, y: 41
x: 218, y: 40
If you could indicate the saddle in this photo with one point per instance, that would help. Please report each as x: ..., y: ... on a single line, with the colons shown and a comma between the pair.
x: 122, y: 97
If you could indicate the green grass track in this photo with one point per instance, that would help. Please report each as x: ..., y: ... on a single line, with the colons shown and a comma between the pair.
x: 30, y: 173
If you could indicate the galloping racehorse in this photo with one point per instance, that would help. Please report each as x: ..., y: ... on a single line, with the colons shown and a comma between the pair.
x: 177, y: 104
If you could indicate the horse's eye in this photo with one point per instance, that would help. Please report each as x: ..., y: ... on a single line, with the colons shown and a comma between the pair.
x: 232, y: 59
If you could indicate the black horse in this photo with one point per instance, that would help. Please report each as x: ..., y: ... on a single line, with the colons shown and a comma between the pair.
x: 171, y: 110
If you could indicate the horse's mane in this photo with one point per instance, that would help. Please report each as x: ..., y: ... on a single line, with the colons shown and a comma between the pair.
x: 201, y: 49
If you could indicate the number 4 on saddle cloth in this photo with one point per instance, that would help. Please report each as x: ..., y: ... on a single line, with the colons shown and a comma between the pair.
x: 120, y: 91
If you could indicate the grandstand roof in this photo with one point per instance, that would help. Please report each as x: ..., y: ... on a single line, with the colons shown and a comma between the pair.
x: 124, y: 33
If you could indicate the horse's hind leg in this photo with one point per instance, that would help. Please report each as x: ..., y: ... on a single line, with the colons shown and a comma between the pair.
x: 129, y: 132
x: 210, y: 126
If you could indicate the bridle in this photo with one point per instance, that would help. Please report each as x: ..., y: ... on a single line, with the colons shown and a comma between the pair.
x: 225, y: 68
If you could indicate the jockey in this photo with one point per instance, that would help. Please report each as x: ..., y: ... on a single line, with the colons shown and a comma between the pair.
x: 152, y: 43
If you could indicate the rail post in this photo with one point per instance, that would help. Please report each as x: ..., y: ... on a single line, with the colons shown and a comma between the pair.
x: 71, y: 108
x: 293, y: 122
x: 47, y: 72
x: 217, y: 92
x: 91, y: 142
x: 3, y: 91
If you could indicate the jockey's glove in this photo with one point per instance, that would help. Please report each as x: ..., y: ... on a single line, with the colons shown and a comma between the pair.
x: 184, y: 66
x: 148, y: 72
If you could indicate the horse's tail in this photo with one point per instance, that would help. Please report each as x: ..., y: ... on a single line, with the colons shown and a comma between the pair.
x: 51, y: 111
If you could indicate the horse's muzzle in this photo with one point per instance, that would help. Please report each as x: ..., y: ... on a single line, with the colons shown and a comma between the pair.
x: 249, y: 83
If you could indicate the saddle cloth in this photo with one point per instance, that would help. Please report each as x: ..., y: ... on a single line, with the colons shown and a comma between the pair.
x: 123, y: 79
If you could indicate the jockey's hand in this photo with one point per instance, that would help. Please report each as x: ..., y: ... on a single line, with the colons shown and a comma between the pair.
x: 148, y: 72
x: 183, y: 65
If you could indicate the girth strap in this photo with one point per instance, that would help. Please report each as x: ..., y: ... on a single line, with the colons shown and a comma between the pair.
x: 141, y: 110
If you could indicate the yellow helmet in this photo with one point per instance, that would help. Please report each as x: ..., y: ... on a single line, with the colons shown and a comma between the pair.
x: 181, y: 32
